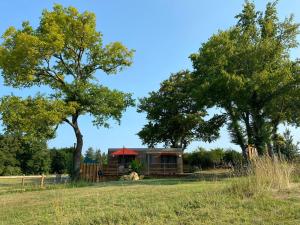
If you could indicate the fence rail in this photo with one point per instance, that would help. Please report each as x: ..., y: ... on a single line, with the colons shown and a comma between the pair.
x: 30, y: 181
x: 16, y: 177
x: 42, y: 179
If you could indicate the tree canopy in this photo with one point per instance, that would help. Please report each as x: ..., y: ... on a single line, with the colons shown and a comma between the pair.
x: 20, y: 156
x: 63, y: 52
x: 175, y: 119
x: 247, y: 71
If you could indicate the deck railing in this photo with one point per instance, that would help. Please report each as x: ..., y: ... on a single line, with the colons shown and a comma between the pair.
x: 152, y: 168
x: 162, y: 168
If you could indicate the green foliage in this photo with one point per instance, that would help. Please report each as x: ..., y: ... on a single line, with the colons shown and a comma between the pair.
x: 63, y: 52
x: 204, y: 159
x: 9, y: 148
x: 61, y: 160
x: 175, y: 119
x: 20, y: 156
x: 136, y: 166
x: 34, y: 157
x: 286, y: 146
x: 89, y: 156
x: 232, y: 157
x: 247, y: 71
x: 95, y: 156
x: 33, y: 118
x: 65, y: 43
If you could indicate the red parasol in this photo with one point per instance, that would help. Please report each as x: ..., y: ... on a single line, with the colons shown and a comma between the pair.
x: 124, y: 151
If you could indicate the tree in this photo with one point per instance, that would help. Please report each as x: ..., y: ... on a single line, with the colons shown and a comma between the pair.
x: 286, y: 146
x: 100, y: 157
x: 175, y: 119
x: 63, y: 53
x: 9, y: 148
x: 19, y: 156
x: 89, y: 156
x: 34, y: 157
x: 61, y: 160
x: 247, y: 71
x: 58, y: 161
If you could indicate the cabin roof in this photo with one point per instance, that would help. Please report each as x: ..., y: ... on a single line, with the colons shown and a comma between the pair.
x: 149, y: 150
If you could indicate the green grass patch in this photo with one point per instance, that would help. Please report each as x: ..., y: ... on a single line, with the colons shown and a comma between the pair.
x: 151, y: 201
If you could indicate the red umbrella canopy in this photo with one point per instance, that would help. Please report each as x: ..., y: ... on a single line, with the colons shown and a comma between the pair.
x: 125, y: 151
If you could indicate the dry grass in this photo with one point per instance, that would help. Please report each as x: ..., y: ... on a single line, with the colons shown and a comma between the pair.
x: 270, y: 174
x: 264, y: 175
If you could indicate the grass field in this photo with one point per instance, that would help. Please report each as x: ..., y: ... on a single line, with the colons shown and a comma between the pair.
x: 161, y: 201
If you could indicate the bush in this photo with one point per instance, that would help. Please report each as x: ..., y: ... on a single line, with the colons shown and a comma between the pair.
x: 218, y: 157
x: 233, y: 158
x: 136, y: 166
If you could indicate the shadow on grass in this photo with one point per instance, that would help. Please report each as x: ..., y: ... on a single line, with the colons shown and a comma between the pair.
x: 164, y: 180
x: 157, y: 181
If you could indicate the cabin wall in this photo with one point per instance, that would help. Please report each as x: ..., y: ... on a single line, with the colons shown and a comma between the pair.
x: 153, y: 164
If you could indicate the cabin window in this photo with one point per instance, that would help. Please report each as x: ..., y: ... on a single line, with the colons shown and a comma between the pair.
x: 169, y: 161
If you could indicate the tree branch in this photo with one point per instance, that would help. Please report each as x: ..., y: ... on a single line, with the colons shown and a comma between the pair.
x: 69, y: 122
x: 67, y: 68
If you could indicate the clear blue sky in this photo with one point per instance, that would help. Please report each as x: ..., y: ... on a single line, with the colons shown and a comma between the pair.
x: 163, y: 33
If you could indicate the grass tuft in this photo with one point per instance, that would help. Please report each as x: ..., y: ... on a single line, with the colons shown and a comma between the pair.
x: 263, y: 175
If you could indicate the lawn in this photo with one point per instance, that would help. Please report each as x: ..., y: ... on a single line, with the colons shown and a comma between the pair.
x: 161, y: 201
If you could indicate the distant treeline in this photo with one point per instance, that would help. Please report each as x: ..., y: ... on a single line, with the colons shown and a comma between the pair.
x: 18, y: 156
x: 214, y: 158
x: 219, y: 157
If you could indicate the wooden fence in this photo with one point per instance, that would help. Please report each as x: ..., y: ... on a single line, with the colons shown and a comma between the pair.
x: 23, y: 178
x: 89, y: 172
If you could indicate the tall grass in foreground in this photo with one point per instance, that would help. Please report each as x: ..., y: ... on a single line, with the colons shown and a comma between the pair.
x: 263, y: 175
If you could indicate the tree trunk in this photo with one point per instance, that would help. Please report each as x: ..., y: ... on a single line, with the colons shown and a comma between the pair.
x: 77, y: 150
x: 249, y: 131
x: 235, y: 128
x: 259, y: 132
x: 270, y: 150
x: 275, y: 136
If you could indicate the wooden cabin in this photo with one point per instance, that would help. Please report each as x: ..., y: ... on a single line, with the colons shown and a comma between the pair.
x: 155, y: 161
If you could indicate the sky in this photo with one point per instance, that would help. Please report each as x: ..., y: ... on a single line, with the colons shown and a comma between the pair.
x: 163, y: 34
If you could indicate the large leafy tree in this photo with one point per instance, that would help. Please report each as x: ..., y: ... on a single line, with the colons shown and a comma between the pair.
x: 247, y: 71
x: 61, y: 160
x: 286, y: 146
x: 63, y: 53
x: 20, y: 156
x: 175, y: 118
x: 9, y: 148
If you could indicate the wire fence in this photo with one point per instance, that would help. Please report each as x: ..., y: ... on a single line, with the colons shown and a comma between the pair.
x: 21, y: 183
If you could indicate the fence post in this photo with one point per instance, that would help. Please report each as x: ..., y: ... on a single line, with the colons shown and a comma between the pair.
x: 42, y: 180
x: 23, y: 181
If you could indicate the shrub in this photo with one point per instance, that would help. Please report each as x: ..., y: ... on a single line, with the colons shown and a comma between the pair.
x: 136, y: 166
x: 214, y: 158
x: 233, y: 157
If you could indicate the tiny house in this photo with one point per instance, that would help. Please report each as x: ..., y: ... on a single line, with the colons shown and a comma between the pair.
x: 154, y: 161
